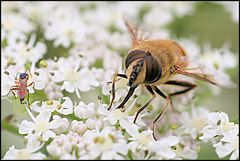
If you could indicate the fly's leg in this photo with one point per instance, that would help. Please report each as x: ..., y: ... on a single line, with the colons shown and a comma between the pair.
x: 149, y: 88
x: 113, y: 87
x: 129, y: 94
x: 161, y: 114
x: 189, y: 86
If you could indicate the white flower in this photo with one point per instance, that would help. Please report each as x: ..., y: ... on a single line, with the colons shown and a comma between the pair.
x: 79, y: 127
x: 67, y: 156
x: 38, y: 11
x: 117, y: 115
x: 39, y: 77
x: 64, y: 108
x: 93, y: 123
x: 233, y: 8
x: 30, y: 152
x: 187, y: 148
x: 74, y: 77
x: 64, y: 29
x: 193, y: 123
x: 15, y: 27
x: 53, y: 91
x: 114, y: 115
x: 106, y: 144
x: 215, y: 62
x: 114, y: 63
x: 42, y: 126
x: 139, y: 140
x: 8, y: 80
x: 165, y: 16
x: 59, y: 146
x: 106, y: 88
x: 22, y: 52
x: 229, y: 144
x: 84, y: 111
x: 218, y: 124
x: 193, y: 51
x: 163, y: 147
x: 22, y: 154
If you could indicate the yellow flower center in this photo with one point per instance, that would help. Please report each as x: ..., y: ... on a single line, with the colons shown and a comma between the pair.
x: 41, y: 126
x: 72, y: 76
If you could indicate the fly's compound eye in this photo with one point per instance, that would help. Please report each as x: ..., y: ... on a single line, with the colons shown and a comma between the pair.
x: 153, y: 69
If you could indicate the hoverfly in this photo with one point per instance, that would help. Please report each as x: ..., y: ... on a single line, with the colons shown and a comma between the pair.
x: 152, y: 62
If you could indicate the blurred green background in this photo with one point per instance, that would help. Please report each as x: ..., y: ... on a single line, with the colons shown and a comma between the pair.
x: 210, y: 23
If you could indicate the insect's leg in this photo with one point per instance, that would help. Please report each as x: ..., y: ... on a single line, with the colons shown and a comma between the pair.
x: 32, y: 83
x: 181, y: 83
x: 14, y: 94
x: 189, y: 86
x: 159, y: 117
x: 129, y: 94
x: 149, y: 88
x: 28, y: 99
x: 113, y: 87
x: 11, y: 89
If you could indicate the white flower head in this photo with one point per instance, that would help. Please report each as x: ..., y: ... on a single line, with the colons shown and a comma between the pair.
x: 74, y: 77
x: 218, y: 124
x: 65, y: 29
x: 64, y: 108
x: 22, y: 154
x: 42, y: 126
x: 30, y: 152
x: 193, y: 123
x: 106, y: 144
x: 163, y: 147
x: 22, y: 52
x: 216, y: 61
x: 60, y: 145
x: 229, y: 144
x: 15, y: 27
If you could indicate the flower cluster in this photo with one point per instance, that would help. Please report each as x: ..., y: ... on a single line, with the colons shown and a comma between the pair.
x: 223, y: 134
x: 71, y: 56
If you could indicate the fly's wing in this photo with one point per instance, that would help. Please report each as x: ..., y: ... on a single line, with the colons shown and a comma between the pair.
x: 136, y: 34
x: 199, y: 76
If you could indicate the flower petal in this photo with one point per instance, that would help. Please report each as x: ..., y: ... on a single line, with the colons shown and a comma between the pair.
x: 44, y: 116
x: 26, y: 127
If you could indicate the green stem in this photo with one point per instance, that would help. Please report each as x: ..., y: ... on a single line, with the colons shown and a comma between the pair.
x: 5, y: 125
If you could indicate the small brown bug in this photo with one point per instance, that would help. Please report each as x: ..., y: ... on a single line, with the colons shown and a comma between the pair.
x: 21, y: 87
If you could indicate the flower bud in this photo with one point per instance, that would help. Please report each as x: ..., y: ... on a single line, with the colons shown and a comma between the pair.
x: 93, y: 123
x: 63, y: 124
x: 43, y: 64
x: 79, y: 127
x: 84, y: 111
